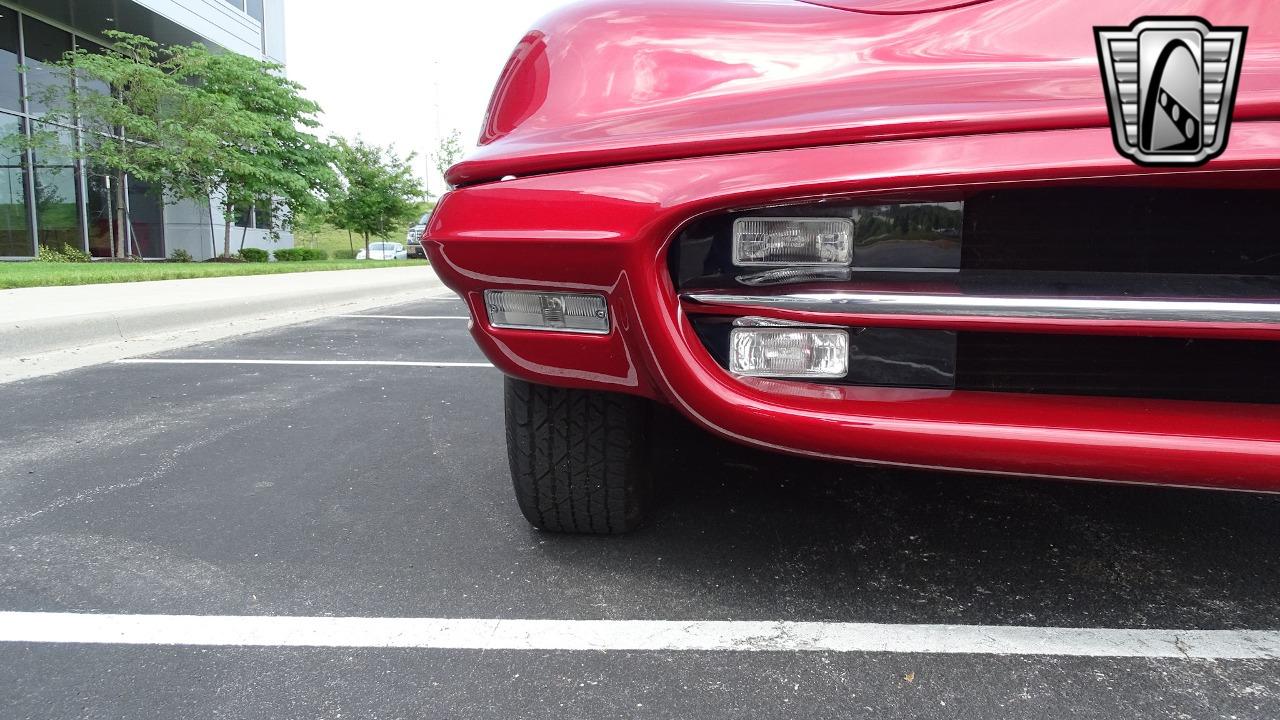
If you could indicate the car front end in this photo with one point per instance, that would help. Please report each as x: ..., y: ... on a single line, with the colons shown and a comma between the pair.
x: 893, y: 233
x: 413, y: 242
x: 413, y: 238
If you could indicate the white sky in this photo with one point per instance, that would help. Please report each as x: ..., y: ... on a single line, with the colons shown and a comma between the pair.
x: 380, y: 68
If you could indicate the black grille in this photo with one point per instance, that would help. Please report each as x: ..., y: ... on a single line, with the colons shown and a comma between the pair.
x: 1141, y: 230
x: 1169, y: 243
x: 1141, y: 367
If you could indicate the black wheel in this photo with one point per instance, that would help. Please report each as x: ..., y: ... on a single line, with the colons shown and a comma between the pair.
x: 580, y: 459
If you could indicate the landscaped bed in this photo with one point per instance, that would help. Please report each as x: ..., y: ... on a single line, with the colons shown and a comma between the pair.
x: 40, y: 274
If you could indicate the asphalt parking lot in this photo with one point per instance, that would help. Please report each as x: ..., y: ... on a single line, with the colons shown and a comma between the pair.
x: 381, y: 491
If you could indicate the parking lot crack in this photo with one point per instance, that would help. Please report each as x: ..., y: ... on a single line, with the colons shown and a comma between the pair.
x: 1182, y: 646
x: 158, y: 472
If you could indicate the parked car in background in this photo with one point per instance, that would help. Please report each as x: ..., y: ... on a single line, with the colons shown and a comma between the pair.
x: 414, y: 237
x: 384, y: 251
x: 892, y: 232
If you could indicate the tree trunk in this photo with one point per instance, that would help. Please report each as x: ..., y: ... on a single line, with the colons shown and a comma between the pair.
x: 243, y: 233
x: 213, y: 230
x: 227, y: 220
x: 351, y: 244
x: 123, y: 239
x: 366, y: 246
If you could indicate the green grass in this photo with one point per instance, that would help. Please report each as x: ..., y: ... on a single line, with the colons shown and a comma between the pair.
x: 40, y: 274
x: 333, y: 240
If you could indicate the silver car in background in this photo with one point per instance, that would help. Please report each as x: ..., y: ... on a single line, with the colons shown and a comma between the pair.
x: 384, y: 251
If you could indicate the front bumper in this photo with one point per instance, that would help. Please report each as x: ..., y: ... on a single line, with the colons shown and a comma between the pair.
x: 607, y: 231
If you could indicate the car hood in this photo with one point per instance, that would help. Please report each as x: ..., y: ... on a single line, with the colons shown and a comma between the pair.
x: 621, y: 81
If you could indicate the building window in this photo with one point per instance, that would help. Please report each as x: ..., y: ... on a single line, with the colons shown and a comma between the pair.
x: 86, y: 84
x: 102, y: 215
x: 10, y: 87
x: 43, y: 45
x: 15, y: 226
x: 254, y: 217
x: 262, y: 215
x: 253, y: 8
x: 146, y: 213
x: 145, y: 217
x: 244, y: 216
x: 57, y: 197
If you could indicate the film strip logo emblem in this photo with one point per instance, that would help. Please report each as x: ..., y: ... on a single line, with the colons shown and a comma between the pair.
x: 1171, y: 86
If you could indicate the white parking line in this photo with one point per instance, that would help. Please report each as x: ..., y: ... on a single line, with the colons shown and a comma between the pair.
x: 478, y: 634
x: 408, y: 317
x: 238, y: 361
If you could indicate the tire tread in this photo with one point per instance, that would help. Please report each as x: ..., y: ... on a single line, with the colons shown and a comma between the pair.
x: 579, y: 458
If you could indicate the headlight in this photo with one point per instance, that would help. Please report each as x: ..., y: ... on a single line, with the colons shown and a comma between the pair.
x: 792, y: 241
x: 792, y: 352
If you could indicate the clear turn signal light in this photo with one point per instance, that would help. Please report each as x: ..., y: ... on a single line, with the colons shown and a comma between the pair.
x: 792, y: 241
x: 789, y: 352
x: 559, y: 312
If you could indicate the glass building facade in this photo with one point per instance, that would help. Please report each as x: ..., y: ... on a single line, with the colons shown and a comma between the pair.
x: 52, y: 198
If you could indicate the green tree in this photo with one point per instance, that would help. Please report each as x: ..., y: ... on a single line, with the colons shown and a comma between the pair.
x: 269, y: 156
x: 448, y: 152
x: 377, y: 191
x: 196, y: 123
x: 141, y: 116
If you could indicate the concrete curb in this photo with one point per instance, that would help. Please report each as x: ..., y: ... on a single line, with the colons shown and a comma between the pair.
x: 37, y: 335
x: 39, y: 323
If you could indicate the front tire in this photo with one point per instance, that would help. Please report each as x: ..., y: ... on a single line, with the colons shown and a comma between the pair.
x: 580, y: 459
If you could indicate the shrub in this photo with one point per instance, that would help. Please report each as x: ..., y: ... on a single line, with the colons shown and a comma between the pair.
x: 300, y: 254
x: 180, y: 256
x: 73, y: 254
x: 48, y: 254
x: 254, y: 255
x: 63, y: 254
x: 345, y: 254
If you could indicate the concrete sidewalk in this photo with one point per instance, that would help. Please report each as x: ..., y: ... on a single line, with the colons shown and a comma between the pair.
x: 51, y: 329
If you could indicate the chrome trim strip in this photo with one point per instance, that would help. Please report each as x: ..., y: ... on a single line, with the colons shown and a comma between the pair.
x: 1042, y: 308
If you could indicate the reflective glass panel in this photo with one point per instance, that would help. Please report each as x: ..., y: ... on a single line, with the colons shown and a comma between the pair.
x: 15, y: 233
x: 102, y: 220
x: 56, y: 192
x: 908, y: 235
x: 44, y: 46
x: 10, y: 91
x: 146, y: 213
x: 87, y: 84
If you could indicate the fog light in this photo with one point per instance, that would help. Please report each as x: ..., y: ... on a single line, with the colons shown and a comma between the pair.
x: 562, y: 312
x: 794, y: 352
x: 792, y: 241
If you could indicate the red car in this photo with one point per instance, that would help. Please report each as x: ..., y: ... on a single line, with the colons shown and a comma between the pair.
x: 1020, y: 237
